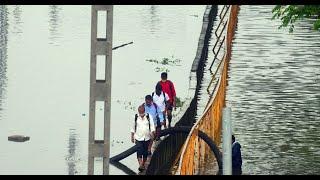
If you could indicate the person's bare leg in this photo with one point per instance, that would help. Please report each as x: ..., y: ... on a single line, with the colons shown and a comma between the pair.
x: 149, y: 149
x: 144, y: 161
x: 140, y: 162
x: 164, y: 120
x: 169, y: 112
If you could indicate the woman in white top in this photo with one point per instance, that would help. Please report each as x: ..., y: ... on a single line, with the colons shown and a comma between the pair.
x: 160, y: 98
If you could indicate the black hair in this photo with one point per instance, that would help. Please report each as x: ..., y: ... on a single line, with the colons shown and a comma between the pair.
x: 164, y: 75
x: 158, y: 89
x: 148, y: 97
x: 233, y: 138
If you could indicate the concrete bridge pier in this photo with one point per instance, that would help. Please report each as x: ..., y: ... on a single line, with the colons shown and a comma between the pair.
x: 100, y: 87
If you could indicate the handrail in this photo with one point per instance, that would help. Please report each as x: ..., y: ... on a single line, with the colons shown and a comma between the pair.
x: 213, y: 76
x: 218, y: 38
x: 194, y: 149
x: 215, y: 56
x: 222, y: 10
x: 225, y: 6
x: 211, y: 94
x: 221, y: 22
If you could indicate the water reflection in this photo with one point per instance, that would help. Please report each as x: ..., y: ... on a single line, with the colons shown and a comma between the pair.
x: 150, y: 18
x: 3, y: 51
x: 274, y: 92
x: 154, y: 19
x: 17, y: 26
x: 72, y: 157
x: 54, y: 23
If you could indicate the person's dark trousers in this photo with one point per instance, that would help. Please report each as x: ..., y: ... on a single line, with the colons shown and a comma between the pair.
x: 236, y: 171
x: 170, y: 108
x: 158, y: 129
x: 142, y: 150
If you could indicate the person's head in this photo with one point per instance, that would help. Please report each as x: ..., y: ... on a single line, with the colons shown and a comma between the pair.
x: 164, y: 76
x: 233, y: 138
x: 141, y: 110
x: 158, y: 89
x: 148, y: 100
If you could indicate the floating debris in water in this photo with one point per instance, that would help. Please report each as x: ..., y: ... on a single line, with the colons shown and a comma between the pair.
x: 134, y: 83
x: 162, y: 69
x: 18, y: 138
x: 165, y: 62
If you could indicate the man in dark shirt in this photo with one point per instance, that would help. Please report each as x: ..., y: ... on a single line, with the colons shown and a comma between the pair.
x: 236, y: 157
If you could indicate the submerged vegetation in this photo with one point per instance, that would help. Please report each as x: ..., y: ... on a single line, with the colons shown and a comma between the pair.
x: 164, y: 63
x: 179, y: 103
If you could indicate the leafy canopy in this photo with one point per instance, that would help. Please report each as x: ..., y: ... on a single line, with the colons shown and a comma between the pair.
x: 289, y: 14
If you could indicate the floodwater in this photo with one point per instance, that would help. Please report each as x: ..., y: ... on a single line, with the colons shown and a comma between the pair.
x: 274, y: 92
x: 44, y: 79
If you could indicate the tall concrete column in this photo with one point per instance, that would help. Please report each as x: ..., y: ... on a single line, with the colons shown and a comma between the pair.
x: 227, y: 147
x: 100, y: 90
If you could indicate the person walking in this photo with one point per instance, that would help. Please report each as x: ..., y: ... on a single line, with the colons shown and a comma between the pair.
x: 157, y: 116
x: 168, y: 88
x: 161, y: 98
x: 236, y: 157
x: 141, y: 134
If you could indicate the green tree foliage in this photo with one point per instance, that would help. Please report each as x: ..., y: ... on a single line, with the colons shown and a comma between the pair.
x: 289, y: 14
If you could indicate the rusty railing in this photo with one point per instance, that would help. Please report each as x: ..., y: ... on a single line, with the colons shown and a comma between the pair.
x: 194, y: 149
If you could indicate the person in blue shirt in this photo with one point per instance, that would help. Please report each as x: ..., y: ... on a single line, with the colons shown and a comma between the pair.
x: 156, y: 113
x: 236, y: 157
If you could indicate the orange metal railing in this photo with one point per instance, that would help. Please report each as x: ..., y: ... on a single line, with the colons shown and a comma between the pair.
x: 194, y: 149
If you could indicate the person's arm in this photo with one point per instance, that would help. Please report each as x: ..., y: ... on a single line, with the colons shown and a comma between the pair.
x: 161, y: 118
x: 151, y: 123
x: 132, y: 132
x: 167, y: 98
x: 173, y: 94
x: 152, y: 127
x: 234, y: 152
x: 132, y: 137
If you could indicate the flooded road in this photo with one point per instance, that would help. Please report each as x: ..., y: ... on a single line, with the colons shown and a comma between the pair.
x: 44, y: 79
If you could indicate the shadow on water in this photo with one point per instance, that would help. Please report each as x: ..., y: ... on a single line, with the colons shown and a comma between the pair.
x: 124, y: 168
x: 3, y: 51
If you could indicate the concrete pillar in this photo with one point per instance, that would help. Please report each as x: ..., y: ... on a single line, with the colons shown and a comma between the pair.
x: 227, y: 148
x: 100, y: 90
